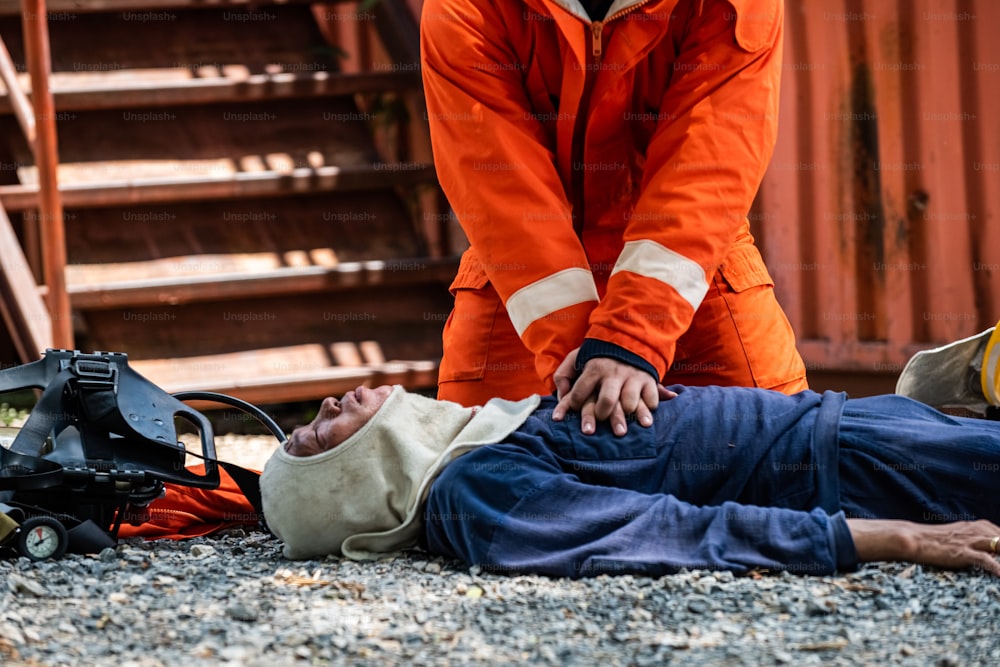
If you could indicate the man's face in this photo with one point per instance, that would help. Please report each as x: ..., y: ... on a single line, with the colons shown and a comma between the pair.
x: 337, y: 420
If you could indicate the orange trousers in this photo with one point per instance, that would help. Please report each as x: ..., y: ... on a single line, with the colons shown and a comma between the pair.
x: 737, y: 338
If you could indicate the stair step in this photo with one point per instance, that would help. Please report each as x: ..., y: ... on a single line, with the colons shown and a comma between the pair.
x: 145, y: 10
x: 287, y: 374
x: 155, y: 89
x: 405, y: 319
x: 227, y: 186
x: 87, y: 292
x: 210, y: 41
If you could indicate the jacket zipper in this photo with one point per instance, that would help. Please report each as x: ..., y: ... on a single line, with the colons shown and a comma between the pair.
x: 597, y: 50
x: 597, y: 29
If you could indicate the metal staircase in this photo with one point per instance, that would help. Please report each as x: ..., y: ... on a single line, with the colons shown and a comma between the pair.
x: 250, y: 204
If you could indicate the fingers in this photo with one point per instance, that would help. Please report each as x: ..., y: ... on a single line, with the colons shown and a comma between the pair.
x: 985, y: 550
x: 963, y: 544
x: 650, y: 396
x: 575, y: 398
x: 562, y: 386
x: 664, y: 393
x: 636, y: 396
x: 609, y: 390
x: 619, y: 422
x: 609, y: 397
x: 985, y: 562
x: 565, y: 374
x: 644, y: 415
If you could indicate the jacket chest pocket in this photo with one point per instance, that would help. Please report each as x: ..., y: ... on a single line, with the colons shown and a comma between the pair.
x: 569, y: 442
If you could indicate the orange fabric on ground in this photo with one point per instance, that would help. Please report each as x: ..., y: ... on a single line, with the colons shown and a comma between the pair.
x: 603, y: 173
x: 190, y: 512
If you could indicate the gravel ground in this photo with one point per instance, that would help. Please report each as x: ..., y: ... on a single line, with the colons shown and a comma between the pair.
x: 233, y: 599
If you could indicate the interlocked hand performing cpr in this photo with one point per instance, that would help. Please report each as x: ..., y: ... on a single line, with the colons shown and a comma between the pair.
x: 606, y: 389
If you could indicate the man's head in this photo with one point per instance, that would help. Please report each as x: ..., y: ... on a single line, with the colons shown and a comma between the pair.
x: 337, y: 420
x: 354, y: 474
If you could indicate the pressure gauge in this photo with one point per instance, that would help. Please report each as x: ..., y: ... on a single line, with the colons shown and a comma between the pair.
x: 42, y: 537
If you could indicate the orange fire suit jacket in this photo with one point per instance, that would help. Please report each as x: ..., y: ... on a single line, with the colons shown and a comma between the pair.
x: 603, y: 170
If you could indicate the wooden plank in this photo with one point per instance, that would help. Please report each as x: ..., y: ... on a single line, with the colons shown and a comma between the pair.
x: 118, y: 92
x: 24, y: 312
x: 139, y: 7
x: 227, y: 186
x: 14, y: 97
x: 406, y: 320
x: 175, y: 290
x: 232, y: 374
x: 323, y: 229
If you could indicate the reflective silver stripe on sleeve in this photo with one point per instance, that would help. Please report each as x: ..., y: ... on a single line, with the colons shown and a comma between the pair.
x: 650, y: 259
x: 543, y: 297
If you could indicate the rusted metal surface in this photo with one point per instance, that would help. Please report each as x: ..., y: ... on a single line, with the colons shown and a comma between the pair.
x: 45, y: 148
x: 880, y: 214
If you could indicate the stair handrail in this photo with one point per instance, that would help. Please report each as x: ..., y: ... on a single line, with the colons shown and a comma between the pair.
x: 38, y: 122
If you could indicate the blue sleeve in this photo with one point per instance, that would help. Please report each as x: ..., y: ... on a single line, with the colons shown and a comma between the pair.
x: 561, y: 527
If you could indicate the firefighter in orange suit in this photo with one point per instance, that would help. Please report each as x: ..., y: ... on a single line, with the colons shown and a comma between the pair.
x: 602, y: 159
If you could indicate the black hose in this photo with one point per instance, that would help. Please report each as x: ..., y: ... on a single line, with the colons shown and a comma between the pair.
x: 234, y: 402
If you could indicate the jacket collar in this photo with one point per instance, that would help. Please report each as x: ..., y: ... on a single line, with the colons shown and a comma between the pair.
x: 575, y: 7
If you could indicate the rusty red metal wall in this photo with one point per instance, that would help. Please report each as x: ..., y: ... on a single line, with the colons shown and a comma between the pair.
x: 880, y: 213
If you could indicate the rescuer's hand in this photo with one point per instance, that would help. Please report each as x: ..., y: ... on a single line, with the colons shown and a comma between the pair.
x: 606, y: 389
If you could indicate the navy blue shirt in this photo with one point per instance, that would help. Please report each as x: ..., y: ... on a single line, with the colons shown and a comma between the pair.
x: 728, y: 478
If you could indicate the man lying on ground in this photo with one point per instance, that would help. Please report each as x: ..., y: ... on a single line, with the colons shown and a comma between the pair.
x: 726, y: 477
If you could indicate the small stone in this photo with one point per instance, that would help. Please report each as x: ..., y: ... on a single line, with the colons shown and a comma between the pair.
x: 242, y: 612
x: 19, y: 584
x: 202, y: 550
x: 814, y: 608
x: 11, y: 633
x: 295, y: 639
x: 238, y: 654
x: 108, y: 555
x: 433, y: 568
x: 697, y: 605
x: 907, y: 650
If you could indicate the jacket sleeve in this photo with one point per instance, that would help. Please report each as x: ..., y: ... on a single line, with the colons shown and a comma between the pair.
x: 495, y: 163
x: 705, y: 163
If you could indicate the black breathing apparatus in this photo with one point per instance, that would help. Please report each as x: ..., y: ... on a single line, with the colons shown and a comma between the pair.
x: 99, y: 444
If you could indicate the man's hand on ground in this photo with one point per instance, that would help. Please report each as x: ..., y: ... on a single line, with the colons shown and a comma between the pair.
x: 959, y: 545
x: 607, y: 389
